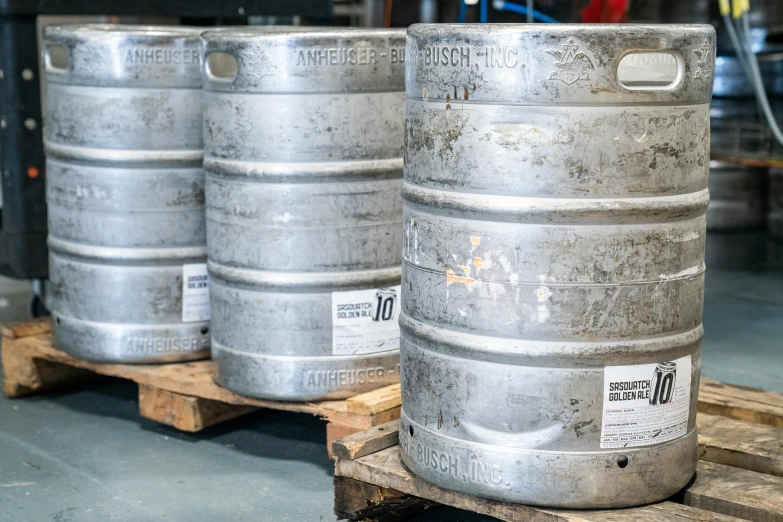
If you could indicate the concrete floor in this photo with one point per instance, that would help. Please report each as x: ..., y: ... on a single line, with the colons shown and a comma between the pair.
x: 84, y: 454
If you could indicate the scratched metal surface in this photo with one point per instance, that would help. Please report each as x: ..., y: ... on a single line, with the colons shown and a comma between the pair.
x: 738, y: 196
x: 554, y: 225
x: 125, y: 190
x: 303, y: 159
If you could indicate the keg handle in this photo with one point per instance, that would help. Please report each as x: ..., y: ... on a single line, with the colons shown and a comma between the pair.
x: 221, y: 67
x: 57, y: 58
x: 650, y: 70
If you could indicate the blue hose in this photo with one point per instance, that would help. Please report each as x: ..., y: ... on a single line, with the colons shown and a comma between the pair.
x: 520, y: 9
x: 463, y: 11
x: 484, y: 9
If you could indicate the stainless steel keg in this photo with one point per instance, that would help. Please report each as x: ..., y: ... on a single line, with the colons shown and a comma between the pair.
x: 303, y: 160
x: 738, y: 196
x: 553, y: 260
x: 775, y: 216
x: 125, y: 192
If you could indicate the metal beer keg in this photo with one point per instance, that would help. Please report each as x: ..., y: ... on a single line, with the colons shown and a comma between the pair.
x: 553, y: 260
x: 738, y: 196
x: 303, y: 160
x: 125, y: 193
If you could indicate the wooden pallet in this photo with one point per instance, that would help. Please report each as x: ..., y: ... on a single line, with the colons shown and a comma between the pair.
x: 739, y: 474
x: 182, y: 395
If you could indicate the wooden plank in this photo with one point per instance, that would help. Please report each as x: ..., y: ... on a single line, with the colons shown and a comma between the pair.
x: 736, y: 492
x: 354, y: 500
x: 335, y: 432
x: 185, y: 412
x: 366, y: 442
x: 741, y: 403
x: 35, y: 327
x: 376, y: 401
x: 24, y: 375
x: 195, y: 379
x: 754, y: 447
x: 385, y: 469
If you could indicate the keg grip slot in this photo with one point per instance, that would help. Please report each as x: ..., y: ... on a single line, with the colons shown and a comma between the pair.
x: 57, y: 58
x: 650, y: 70
x: 221, y: 67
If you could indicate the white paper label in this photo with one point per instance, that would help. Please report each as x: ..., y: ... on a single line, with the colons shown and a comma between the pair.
x: 646, y: 404
x: 195, y: 293
x: 365, y: 321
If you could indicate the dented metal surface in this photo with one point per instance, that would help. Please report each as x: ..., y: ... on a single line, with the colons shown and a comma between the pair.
x: 303, y: 160
x: 738, y: 196
x: 125, y: 190
x: 554, y: 226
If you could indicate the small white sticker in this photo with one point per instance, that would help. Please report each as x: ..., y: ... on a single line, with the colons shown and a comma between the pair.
x: 195, y: 293
x: 646, y: 404
x: 365, y: 321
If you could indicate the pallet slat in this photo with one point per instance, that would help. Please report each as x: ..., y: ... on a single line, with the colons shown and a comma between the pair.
x: 363, y: 501
x: 737, y: 492
x: 740, y: 444
x: 741, y: 403
x: 185, y: 412
x: 376, y: 401
x: 17, y: 330
x: 366, y: 442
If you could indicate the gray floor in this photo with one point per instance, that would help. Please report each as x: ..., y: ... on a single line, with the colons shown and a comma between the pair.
x: 84, y: 454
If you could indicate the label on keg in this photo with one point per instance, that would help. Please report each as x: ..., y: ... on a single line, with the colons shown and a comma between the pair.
x: 646, y: 404
x: 365, y: 321
x: 195, y: 293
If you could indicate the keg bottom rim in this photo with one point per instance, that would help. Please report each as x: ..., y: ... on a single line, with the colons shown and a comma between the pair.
x: 650, y: 473
x: 108, y: 342
x: 303, y: 378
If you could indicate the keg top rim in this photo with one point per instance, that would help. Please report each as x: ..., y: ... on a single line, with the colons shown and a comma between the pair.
x: 258, y: 33
x: 504, y: 28
x: 114, y: 30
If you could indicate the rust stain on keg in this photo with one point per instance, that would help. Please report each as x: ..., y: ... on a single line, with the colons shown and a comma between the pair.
x: 451, y: 277
x: 478, y: 262
x: 475, y: 240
